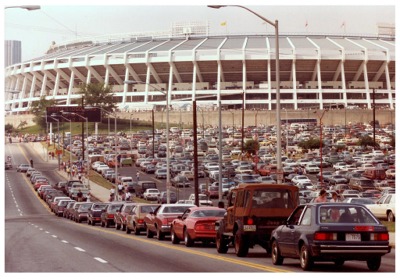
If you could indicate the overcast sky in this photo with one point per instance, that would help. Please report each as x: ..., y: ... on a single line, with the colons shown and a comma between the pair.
x: 78, y: 19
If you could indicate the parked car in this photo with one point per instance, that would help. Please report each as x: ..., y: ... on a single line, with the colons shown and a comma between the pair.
x: 158, y: 222
x: 94, y: 213
x: 162, y: 198
x: 196, y: 224
x: 180, y: 181
x: 384, y: 208
x: 81, y: 211
x: 335, y: 232
x: 120, y: 216
x: 61, y: 206
x: 135, y: 219
x: 151, y: 194
x: 23, y: 167
x: 107, y: 215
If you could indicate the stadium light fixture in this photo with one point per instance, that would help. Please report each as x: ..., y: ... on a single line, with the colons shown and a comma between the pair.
x: 26, y: 7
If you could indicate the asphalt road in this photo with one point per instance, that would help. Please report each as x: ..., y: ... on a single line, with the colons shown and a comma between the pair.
x: 38, y: 241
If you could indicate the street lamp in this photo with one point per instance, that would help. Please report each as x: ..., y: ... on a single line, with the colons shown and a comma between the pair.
x: 278, y: 84
x: 320, y: 143
x: 70, y: 132
x: 167, y: 131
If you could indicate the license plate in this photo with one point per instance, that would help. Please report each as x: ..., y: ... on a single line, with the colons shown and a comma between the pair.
x: 353, y: 237
x: 249, y: 228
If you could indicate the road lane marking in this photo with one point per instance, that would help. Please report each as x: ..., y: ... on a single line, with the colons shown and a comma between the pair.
x: 64, y: 241
x: 79, y: 249
x: 100, y: 260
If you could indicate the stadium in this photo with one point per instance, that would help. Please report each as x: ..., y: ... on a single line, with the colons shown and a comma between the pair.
x: 317, y: 71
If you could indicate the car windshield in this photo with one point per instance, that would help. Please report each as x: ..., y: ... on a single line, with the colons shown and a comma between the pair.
x: 147, y: 208
x: 85, y: 206
x: 207, y: 213
x: 272, y: 198
x: 99, y: 206
x: 345, y: 214
x: 176, y: 209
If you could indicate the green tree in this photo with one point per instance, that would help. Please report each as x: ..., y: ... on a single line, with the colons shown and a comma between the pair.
x: 367, y: 141
x: 98, y: 95
x: 251, y: 147
x: 38, y: 109
x: 312, y: 143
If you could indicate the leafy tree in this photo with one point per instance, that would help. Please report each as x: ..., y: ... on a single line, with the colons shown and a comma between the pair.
x: 9, y: 128
x: 251, y: 146
x: 38, y: 109
x: 367, y: 141
x: 98, y: 95
x: 312, y: 143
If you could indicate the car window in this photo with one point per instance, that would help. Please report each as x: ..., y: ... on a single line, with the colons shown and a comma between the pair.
x: 345, y: 214
x: 306, y: 219
x: 295, y: 217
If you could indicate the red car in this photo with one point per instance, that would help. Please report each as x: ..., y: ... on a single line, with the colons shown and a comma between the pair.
x: 196, y: 224
x: 159, y: 221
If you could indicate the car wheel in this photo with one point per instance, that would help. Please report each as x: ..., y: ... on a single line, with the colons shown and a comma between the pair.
x: 221, y: 243
x: 188, y: 241
x: 149, y: 234
x: 374, y: 263
x: 276, y: 257
x: 174, y: 238
x: 306, y: 261
x: 160, y: 234
x: 241, y: 244
x: 390, y: 216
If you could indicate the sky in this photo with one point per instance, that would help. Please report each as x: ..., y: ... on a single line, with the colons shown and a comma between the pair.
x: 74, y: 19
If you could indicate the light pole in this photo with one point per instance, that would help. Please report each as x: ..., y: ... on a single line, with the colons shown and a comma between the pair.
x: 321, y: 179
x: 167, y: 131
x: 70, y: 133
x: 278, y: 84
x: 83, y: 143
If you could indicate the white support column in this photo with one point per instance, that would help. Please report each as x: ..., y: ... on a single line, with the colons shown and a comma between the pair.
x: 219, y: 82
x: 56, y: 85
x: 321, y: 102
x: 106, y: 76
x: 269, y: 85
x: 89, y: 76
x: 344, y: 87
x: 389, y: 87
x: 44, y: 85
x: 70, y: 88
x: 125, y: 86
x: 170, y: 80
x: 16, y: 88
x: 32, y: 91
x: 368, y: 95
x: 148, y: 72
x: 23, y: 91
x: 194, y: 82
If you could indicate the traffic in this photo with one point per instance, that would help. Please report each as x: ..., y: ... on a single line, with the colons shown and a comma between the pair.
x: 137, y: 202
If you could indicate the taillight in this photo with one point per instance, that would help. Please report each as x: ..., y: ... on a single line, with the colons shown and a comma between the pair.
x: 364, y: 228
x: 380, y: 236
x: 140, y: 221
x: 110, y: 216
x: 325, y: 236
x: 250, y: 221
x: 201, y: 227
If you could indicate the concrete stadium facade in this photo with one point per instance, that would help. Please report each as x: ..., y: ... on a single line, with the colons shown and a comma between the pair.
x: 317, y: 71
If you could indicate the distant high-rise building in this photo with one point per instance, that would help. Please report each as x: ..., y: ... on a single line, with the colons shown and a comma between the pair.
x: 12, y: 52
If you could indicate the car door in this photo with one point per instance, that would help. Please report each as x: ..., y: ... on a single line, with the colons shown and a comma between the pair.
x: 179, y: 223
x: 286, y: 235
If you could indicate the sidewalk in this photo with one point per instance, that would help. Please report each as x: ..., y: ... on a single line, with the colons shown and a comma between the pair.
x: 98, y: 192
x: 102, y: 194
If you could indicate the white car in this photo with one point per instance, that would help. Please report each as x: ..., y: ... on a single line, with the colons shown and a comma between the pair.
x: 151, y: 194
x: 340, y: 166
x: 384, y: 208
x: 300, y: 178
x: 390, y: 173
x: 203, y: 200
x: 312, y: 168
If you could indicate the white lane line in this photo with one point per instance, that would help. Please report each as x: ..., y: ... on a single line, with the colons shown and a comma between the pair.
x: 47, y: 232
x: 100, y: 260
x: 53, y: 236
x: 79, y: 249
x: 64, y: 241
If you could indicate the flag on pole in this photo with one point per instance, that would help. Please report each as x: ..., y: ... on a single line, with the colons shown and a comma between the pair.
x: 223, y: 23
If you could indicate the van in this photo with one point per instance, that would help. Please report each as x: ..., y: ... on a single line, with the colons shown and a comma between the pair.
x: 143, y: 186
x: 377, y: 173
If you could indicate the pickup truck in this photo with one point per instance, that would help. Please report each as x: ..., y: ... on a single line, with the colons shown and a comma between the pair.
x: 254, y: 211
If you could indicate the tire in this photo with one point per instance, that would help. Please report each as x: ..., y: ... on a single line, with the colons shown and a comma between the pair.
x: 241, y: 244
x: 188, y: 241
x: 136, y: 230
x: 390, y: 216
x: 306, y: 261
x: 174, y: 238
x: 374, y: 263
x: 160, y: 235
x: 221, y: 244
x: 276, y: 257
x: 149, y: 234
